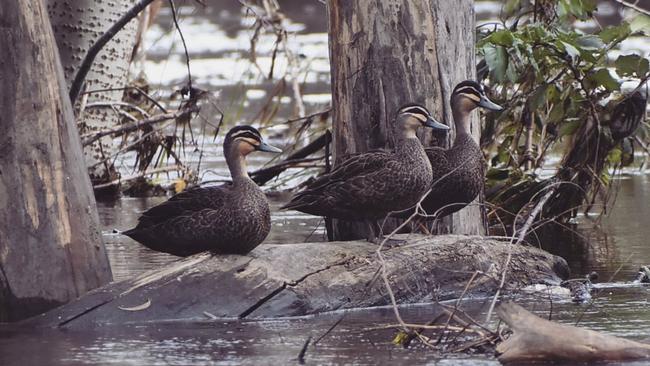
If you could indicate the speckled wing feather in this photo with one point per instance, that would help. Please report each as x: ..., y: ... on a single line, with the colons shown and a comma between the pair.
x: 183, y: 204
x: 347, y: 186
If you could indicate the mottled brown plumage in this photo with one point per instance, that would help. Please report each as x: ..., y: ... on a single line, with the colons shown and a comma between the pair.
x: 231, y: 218
x: 458, y: 172
x: 369, y: 185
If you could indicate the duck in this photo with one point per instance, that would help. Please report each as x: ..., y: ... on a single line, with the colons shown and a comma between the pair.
x: 367, y: 186
x: 232, y: 218
x: 458, y: 172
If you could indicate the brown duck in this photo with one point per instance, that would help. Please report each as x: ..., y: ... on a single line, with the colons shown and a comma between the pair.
x: 458, y: 172
x: 230, y: 218
x: 367, y: 186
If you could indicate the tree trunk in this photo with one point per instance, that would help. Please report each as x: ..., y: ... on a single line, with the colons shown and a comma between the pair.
x: 77, y: 24
x: 387, y: 53
x: 50, y: 245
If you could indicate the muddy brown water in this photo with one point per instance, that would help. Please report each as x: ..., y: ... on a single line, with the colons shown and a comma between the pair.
x: 615, y: 248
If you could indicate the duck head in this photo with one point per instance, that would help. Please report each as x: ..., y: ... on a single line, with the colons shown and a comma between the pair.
x: 246, y: 139
x: 469, y: 95
x: 412, y: 116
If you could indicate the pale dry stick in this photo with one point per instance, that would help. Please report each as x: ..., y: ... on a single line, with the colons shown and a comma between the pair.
x: 112, y: 104
x: 92, y: 137
x: 424, y: 326
x: 520, y: 238
x: 382, y: 267
x: 133, y: 144
x: 633, y: 6
x: 140, y: 175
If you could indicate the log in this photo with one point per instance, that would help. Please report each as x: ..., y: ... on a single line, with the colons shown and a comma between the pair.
x: 308, y: 278
x: 51, y: 249
x: 537, y: 339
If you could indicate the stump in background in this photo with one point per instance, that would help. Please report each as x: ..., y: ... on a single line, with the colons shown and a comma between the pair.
x: 387, y: 53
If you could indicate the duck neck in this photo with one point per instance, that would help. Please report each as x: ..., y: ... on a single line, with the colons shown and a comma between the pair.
x: 237, y: 165
x: 461, y: 119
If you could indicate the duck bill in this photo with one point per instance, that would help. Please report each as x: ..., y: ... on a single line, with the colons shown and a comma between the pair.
x: 489, y: 105
x: 432, y: 123
x: 268, y: 148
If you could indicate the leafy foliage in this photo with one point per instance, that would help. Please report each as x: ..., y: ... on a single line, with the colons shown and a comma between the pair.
x: 561, y: 87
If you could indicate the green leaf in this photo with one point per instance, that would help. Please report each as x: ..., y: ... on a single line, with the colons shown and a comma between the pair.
x: 502, y: 37
x: 568, y: 128
x: 590, y: 42
x: 496, y: 58
x: 570, y: 50
x: 641, y: 23
x: 604, y: 78
x: 613, y: 33
x: 538, y: 98
x: 629, y: 65
x: 556, y: 114
x: 614, y: 156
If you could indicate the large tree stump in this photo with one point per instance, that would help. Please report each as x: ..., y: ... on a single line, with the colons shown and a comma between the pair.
x: 387, y: 53
x: 538, y: 340
x: 310, y: 278
x: 50, y: 246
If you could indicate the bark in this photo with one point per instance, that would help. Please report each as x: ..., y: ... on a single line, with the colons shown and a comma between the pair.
x: 539, y: 340
x: 308, y: 278
x: 387, y: 53
x: 77, y: 24
x: 50, y: 244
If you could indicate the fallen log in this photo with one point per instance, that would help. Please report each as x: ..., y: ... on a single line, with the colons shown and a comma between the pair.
x: 537, y: 339
x: 300, y: 279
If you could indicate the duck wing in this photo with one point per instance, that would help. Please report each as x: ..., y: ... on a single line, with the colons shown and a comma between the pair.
x: 347, y: 186
x: 184, y: 204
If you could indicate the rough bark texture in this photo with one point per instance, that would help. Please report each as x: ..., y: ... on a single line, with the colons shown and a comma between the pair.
x: 77, y: 24
x: 387, y: 53
x: 300, y: 279
x: 50, y: 246
x: 539, y: 340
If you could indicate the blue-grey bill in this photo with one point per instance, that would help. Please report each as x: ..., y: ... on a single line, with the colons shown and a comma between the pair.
x: 488, y: 104
x: 268, y: 148
x: 435, y: 124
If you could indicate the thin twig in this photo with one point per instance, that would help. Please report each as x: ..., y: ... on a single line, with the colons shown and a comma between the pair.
x: 187, y: 56
x: 90, y: 138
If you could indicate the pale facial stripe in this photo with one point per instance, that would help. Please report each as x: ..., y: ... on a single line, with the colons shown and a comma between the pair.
x: 249, y: 134
x: 468, y: 90
x: 415, y: 109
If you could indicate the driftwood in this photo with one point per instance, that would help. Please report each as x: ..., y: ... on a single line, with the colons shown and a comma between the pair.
x: 537, y: 339
x: 309, y: 278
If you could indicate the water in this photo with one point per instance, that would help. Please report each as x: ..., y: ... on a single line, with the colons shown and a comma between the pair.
x: 615, y: 248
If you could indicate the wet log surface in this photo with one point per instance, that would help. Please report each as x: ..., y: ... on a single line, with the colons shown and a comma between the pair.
x: 537, y: 339
x: 309, y: 278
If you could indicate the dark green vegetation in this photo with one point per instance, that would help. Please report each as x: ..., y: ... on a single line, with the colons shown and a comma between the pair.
x: 560, y: 96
